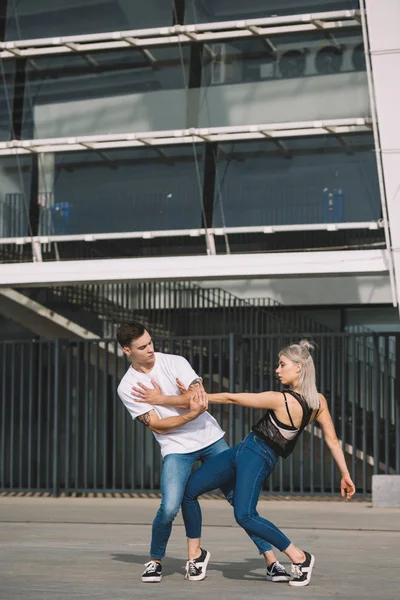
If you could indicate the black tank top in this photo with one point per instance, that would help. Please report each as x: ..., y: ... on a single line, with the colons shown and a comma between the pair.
x: 278, y: 436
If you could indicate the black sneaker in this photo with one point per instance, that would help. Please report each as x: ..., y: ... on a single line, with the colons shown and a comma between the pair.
x: 196, y: 569
x: 152, y: 573
x: 301, y: 572
x: 277, y: 573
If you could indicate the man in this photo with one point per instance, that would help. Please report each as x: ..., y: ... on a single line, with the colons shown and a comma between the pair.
x: 186, y: 434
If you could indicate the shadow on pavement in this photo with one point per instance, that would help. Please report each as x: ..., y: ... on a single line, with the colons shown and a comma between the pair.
x: 230, y: 570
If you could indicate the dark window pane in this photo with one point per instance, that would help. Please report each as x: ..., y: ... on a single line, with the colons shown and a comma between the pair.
x: 7, y: 77
x: 296, y: 77
x: 120, y: 191
x: 48, y: 18
x: 15, y: 182
x: 206, y: 11
x: 308, y: 180
x: 106, y: 92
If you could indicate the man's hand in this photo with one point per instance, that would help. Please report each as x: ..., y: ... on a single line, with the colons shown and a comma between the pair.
x: 181, y: 386
x: 347, y: 487
x: 198, y: 403
x: 141, y: 393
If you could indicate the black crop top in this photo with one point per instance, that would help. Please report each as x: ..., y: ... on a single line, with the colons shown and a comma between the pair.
x: 278, y: 436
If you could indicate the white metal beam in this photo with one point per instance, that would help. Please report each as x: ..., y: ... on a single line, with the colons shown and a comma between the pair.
x: 267, y: 229
x: 227, y: 266
x: 180, y: 34
x: 186, y: 136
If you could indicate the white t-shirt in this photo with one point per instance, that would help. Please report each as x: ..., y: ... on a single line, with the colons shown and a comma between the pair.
x: 192, y: 436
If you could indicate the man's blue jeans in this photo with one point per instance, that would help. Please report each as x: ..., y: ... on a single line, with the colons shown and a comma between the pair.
x: 244, y: 469
x: 175, y: 474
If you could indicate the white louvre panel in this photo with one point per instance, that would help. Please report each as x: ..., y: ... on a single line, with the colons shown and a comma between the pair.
x: 222, y: 266
x: 147, y: 235
x: 186, y: 136
x: 180, y: 34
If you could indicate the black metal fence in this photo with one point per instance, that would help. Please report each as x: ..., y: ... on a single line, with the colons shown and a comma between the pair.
x: 63, y: 428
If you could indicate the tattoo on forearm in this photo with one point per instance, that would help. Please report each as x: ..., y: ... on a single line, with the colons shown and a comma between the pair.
x: 145, y: 419
x: 196, y: 382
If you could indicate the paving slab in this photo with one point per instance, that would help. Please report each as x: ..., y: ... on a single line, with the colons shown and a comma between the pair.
x: 94, y: 549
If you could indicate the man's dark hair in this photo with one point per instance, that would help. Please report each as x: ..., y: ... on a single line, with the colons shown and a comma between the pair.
x: 129, y: 332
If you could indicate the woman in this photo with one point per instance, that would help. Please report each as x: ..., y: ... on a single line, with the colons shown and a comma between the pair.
x: 253, y: 460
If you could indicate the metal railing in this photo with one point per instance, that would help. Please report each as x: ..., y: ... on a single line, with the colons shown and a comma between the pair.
x: 174, y: 308
x: 63, y: 428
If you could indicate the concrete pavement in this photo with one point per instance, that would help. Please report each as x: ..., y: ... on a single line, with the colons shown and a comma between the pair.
x: 94, y: 549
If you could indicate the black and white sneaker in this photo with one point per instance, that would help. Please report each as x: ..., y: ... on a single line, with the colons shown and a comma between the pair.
x: 152, y: 573
x: 277, y: 573
x: 196, y: 569
x: 301, y: 572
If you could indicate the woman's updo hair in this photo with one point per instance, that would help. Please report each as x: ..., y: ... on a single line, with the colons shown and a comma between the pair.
x: 300, y: 353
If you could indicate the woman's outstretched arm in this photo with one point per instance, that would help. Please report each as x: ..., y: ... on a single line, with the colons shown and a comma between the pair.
x: 324, y: 418
x: 262, y: 400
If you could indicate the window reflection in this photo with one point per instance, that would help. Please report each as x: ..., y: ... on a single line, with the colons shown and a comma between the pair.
x: 47, y: 18
x: 120, y: 191
x: 204, y: 11
x: 296, y: 77
x: 294, y: 181
x: 106, y: 92
x: 7, y: 78
x: 15, y: 181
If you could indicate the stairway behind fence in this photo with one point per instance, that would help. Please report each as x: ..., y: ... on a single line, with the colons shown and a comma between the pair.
x: 64, y: 429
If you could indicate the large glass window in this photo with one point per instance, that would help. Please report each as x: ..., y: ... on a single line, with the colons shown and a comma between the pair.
x: 206, y: 11
x: 7, y: 78
x: 48, y: 18
x: 296, y: 77
x: 15, y: 185
x: 296, y: 181
x: 121, y: 191
x: 106, y: 92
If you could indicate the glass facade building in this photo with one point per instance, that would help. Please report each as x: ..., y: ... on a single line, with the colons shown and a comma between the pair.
x: 187, y: 116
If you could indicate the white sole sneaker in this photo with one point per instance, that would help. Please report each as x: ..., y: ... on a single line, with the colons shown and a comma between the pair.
x: 152, y: 579
x: 202, y: 565
x: 278, y: 578
x: 307, y: 571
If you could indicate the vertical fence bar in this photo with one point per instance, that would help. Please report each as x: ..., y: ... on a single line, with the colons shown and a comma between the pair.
x: 3, y: 418
x: 12, y: 413
x: 86, y: 397
x: 323, y: 391
x: 22, y: 439
x: 30, y: 415
x: 56, y: 400
x: 363, y: 396
x: 39, y: 416
x: 386, y: 401
x: 49, y: 412
x: 353, y: 384
x: 104, y: 428
x: 67, y: 449
x: 375, y: 402
x: 231, y: 387
x: 333, y: 404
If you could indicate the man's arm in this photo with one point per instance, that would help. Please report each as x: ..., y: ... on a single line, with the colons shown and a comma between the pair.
x: 161, y: 426
x: 154, y: 396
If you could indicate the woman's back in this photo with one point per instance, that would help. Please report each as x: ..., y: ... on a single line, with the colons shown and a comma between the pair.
x: 281, y: 427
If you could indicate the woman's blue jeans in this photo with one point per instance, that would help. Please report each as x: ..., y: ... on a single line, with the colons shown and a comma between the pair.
x: 175, y: 474
x: 244, y: 469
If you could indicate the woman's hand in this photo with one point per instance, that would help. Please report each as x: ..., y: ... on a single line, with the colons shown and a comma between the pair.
x: 198, y: 403
x: 347, y: 487
x: 141, y: 393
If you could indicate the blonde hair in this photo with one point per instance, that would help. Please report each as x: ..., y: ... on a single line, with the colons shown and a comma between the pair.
x: 301, y: 353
